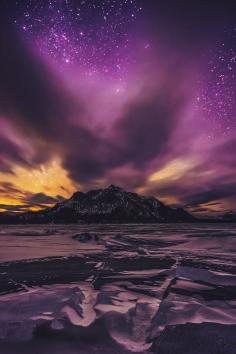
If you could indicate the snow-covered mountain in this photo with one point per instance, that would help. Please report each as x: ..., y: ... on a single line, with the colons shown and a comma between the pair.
x: 109, y: 205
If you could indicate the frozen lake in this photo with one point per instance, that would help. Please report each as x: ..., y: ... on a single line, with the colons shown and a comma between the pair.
x: 31, y: 241
x: 118, y: 289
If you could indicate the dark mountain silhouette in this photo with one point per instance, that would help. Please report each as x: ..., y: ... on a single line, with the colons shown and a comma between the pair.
x: 109, y: 205
x: 229, y: 216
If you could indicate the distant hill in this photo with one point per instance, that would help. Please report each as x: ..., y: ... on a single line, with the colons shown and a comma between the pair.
x: 230, y: 217
x: 109, y: 205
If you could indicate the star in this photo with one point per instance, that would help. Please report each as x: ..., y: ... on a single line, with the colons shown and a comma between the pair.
x: 58, y: 30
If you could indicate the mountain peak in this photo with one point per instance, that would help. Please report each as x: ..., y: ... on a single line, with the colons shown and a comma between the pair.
x: 110, y: 205
x: 77, y: 195
x: 114, y: 188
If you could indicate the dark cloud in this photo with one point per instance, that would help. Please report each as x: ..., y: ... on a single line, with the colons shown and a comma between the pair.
x: 14, y: 208
x: 27, y: 90
x: 86, y: 156
x: 10, y: 152
x: 194, y: 191
x: 214, y: 192
x: 26, y: 198
x: 200, y: 210
x: 40, y: 199
x: 146, y: 128
x: 37, y: 104
x: 8, y: 187
x: 35, y: 101
x: 140, y: 135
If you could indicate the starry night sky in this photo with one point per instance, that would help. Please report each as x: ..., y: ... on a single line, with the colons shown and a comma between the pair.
x: 138, y: 93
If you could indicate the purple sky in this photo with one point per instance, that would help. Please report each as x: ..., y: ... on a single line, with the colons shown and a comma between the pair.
x: 139, y: 93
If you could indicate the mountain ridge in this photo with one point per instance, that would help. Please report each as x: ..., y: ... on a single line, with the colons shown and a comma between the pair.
x: 108, y: 205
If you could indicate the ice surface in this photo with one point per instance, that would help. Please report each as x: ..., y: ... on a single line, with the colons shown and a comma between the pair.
x: 135, y: 290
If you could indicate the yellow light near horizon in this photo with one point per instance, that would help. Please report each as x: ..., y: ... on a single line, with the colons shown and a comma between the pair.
x: 47, y: 179
x: 174, y: 170
x: 170, y: 200
x: 50, y: 179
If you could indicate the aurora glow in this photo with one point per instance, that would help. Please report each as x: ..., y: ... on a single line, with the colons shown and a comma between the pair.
x: 136, y: 93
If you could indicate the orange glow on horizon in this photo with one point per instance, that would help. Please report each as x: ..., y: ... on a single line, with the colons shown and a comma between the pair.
x: 50, y: 179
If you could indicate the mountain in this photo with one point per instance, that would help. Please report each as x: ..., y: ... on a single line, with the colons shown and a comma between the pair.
x: 229, y: 216
x: 109, y: 205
